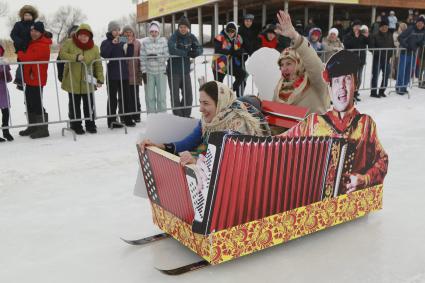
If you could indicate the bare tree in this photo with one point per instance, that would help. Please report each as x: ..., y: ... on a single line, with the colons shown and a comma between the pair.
x: 4, y: 8
x: 64, y: 18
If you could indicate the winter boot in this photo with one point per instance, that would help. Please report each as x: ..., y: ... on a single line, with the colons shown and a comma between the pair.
x: 91, y: 127
x: 28, y: 131
x: 41, y: 131
x: 2, y: 140
x: 7, y: 135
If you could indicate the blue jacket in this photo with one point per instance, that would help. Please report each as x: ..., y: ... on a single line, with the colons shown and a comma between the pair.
x: 412, y: 38
x: 110, y: 50
x: 180, y: 45
x: 191, y: 141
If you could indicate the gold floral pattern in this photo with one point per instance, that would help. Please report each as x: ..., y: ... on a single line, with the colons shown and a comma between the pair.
x: 257, y: 235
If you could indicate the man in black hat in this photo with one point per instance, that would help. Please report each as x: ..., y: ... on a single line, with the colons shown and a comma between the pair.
x: 358, y: 41
x: 249, y: 34
x: 344, y: 121
x: 186, y: 46
x: 384, y: 43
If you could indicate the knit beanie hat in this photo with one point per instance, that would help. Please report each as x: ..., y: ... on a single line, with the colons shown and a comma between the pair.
x: 183, y: 21
x: 38, y: 26
x: 113, y: 25
x: 127, y: 28
x: 334, y: 30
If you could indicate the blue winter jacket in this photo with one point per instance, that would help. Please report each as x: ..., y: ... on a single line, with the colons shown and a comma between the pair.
x: 109, y: 50
x: 180, y: 45
x: 191, y: 141
x: 412, y: 38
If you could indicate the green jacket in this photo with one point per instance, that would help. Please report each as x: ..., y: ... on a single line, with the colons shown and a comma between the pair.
x: 74, y: 76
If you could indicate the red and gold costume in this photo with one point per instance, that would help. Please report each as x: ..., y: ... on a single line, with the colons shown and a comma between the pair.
x: 370, y: 160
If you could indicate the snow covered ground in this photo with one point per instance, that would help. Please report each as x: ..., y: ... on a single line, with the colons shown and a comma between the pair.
x: 64, y: 206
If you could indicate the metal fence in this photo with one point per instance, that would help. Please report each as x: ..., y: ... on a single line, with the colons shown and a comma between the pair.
x: 121, y: 99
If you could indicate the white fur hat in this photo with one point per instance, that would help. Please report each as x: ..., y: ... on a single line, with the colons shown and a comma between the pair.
x: 334, y: 30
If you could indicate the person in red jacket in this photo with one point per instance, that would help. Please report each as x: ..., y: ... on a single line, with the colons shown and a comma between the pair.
x: 35, y: 78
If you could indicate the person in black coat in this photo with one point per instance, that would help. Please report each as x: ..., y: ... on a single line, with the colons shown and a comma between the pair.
x: 411, y: 39
x: 21, y: 36
x: 358, y: 41
x: 340, y: 27
x: 117, y: 74
x: 249, y: 34
x: 381, y: 58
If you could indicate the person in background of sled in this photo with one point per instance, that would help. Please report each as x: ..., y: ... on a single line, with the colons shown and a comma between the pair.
x: 5, y: 77
x: 249, y: 34
x: 186, y: 46
x: 21, y: 37
x: 115, y: 46
x: 35, y: 78
x: 396, y: 57
x: 392, y: 22
x: 314, y: 37
x: 310, y: 24
x: 134, y: 74
x: 80, y: 49
x: 228, y: 61
x: 383, y: 42
x: 339, y: 27
x: 270, y: 39
x: 153, y: 66
x: 411, y: 39
x: 358, y: 41
x: 299, y: 27
x: 331, y: 44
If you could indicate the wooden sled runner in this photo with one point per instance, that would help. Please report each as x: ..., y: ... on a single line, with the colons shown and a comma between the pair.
x: 252, y: 193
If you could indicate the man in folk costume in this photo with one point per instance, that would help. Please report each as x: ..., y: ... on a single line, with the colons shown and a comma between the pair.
x: 344, y: 121
x: 301, y: 83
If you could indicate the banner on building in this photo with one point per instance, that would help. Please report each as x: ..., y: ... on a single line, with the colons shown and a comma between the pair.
x: 158, y: 8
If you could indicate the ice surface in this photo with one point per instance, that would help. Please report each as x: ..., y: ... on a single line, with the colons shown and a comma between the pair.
x: 64, y: 205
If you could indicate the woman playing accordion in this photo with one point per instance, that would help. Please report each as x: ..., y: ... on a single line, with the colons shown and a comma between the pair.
x: 221, y: 111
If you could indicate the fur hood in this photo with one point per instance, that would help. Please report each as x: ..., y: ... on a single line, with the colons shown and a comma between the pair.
x: 28, y: 9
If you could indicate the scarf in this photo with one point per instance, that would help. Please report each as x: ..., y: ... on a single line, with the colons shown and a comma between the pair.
x: 234, y: 115
x: 83, y: 46
x: 289, y: 91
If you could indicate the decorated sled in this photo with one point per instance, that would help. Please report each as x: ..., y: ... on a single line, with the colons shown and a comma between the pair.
x: 251, y: 193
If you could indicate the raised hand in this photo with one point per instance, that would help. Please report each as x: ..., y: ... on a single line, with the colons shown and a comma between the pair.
x: 285, y: 27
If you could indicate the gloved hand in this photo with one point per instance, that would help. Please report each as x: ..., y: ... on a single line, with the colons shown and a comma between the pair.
x: 237, y: 52
x: 144, y: 78
x: 192, y: 53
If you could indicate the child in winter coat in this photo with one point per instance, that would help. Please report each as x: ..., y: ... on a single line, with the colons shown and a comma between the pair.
x: 21, y: 36
x: 154, y: 54
x: 5, y: 77
x: 314, y: 37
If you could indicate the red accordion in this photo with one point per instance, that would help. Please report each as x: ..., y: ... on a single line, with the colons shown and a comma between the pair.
x: 246, y: 178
